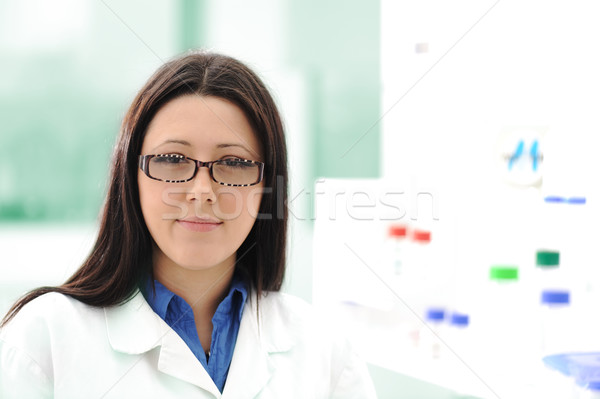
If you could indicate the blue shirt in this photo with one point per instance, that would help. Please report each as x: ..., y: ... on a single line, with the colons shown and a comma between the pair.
x: 178, y: 314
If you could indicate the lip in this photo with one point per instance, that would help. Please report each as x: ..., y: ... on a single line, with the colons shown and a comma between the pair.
x: 199, y: 224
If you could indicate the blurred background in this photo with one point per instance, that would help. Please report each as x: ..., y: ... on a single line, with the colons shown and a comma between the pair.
x: 456, y: 139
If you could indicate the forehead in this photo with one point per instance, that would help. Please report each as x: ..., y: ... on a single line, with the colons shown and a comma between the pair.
x: 203, y: 122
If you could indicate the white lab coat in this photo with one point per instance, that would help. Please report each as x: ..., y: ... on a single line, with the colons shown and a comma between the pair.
x: 59, y: 347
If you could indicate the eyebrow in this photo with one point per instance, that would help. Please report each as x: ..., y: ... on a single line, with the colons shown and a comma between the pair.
x: 188, y: 144
x: 227, y: 145
x: 173, y: 141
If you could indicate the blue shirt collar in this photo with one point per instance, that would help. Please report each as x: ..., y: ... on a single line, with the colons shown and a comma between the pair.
x: 226, y: 322
x: 237, y: 285
x: 160, y: 298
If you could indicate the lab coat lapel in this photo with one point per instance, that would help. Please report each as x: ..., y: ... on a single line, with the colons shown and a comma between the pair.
x: 134, y: 328
x: 251, y: 367
x: 177, y: 360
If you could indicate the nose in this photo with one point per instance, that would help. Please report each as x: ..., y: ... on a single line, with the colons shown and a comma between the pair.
x: 202, y: 188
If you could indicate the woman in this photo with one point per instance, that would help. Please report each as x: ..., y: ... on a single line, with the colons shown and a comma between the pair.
x: 179, y: 296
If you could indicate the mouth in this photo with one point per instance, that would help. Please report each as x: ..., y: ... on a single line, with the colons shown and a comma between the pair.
x: 199, y: 224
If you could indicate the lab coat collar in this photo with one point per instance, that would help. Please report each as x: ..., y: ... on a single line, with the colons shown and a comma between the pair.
x: 134, y: 328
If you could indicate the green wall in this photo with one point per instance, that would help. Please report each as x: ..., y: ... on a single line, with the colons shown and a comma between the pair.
x: 338, y: 45
x: 55, y: 141
x: 61, y: 106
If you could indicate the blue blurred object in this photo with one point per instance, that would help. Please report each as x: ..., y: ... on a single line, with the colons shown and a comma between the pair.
x: 555, y: 199
x: 583, y: 367
x: 534, y: 155
x: 516, y: 155
x: 555, y: 297
x: 576, y: 200
x: 459, y: 319
x: 435, y: 314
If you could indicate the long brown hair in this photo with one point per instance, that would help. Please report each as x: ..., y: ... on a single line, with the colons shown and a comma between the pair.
x: 122, y: 255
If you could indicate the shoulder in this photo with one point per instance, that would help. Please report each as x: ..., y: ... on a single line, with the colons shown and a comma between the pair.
x: 49, y: 309
x: 295, y: 311
x: 46, y: 313
x: 50, y: 301
x: 315, y: 346
x: 46, y: 320
x: 287, y: 319
x: 288, y: 324
x: 44, y: 327
x: 295, y: 315
x: 289, y: 307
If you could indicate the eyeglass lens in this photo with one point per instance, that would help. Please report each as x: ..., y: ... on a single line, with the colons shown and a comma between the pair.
x: 226, y: 171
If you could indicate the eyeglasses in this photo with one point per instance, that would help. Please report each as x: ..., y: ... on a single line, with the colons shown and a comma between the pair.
x: 175, y: 168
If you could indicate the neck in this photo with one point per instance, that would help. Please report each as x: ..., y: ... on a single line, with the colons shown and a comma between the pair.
x: 202, y: 289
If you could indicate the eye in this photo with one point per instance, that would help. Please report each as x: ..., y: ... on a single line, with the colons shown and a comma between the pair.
x: 174, y: 159
x: 236, y: 163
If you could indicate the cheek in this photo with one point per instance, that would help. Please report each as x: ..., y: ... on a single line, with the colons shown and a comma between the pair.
x: 238, y: 203
x: 159, y: 203
x: 163, y: 201
x: 145, y: 197
x: 254, y: 200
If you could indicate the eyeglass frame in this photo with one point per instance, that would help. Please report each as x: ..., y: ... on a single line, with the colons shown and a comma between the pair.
x: 144, y: 165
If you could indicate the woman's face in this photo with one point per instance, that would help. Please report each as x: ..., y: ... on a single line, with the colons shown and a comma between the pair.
x: 199, y: 224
